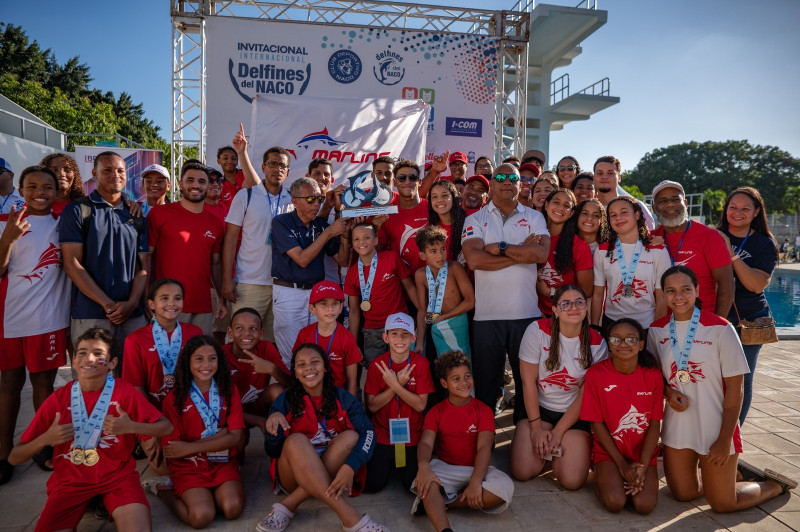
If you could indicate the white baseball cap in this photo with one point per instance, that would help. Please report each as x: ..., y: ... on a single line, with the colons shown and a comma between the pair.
x: 400, y: 320
x: 667, y: 184
x: 155, y: 168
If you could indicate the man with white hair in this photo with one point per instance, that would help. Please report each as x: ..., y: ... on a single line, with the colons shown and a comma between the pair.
x: 695, y: 245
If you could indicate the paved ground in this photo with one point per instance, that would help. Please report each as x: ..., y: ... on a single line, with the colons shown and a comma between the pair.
x: 771, y: 434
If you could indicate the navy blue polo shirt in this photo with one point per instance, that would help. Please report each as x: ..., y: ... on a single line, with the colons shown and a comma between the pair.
x: 289, y: 232
x: 110, y: 252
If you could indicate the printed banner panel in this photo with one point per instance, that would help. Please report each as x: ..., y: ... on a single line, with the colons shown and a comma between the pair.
x: 135, y: 161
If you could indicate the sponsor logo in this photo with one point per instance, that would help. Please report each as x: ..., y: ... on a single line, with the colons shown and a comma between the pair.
x: 49, y: 257
x: 427, y: 95
x: 267, y: 79
x: 318, y: 136
x: 344, y: 66
x: 387, y: 276
x: 209, y: 234
x: 610, y: 387
x: 325, y: 139
x: 389, y: 70
x: 410, y: 93
x: 472, y: 429
x: 463, y: 127
x: 251, y: 395
x: 430, y: 121
x: 664, y: 340
x: 471, y: 157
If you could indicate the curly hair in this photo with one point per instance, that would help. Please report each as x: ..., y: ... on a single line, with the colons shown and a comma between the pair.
x: 75, y: 189
x: 646, y: 358
x: 457, y: 216
x: 448, y: 361
x: 554, y: 359
x: 602, y: 231
x: 429, y: 235
x: 296, y: 392
x: 644, y: 232
x: 564, y: 261
x: 183, y: 372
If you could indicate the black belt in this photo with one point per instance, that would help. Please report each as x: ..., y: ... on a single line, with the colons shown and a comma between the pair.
x: 287, y: 284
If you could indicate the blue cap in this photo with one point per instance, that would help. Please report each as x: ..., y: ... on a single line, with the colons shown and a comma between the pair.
x: 5, y: 164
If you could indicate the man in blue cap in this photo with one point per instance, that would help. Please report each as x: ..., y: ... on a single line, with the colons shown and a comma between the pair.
x: 9, y: 197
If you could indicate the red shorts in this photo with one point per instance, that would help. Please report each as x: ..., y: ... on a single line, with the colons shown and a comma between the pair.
x: 41, y: 352
x: 217, y: 474
x: 65, y: 508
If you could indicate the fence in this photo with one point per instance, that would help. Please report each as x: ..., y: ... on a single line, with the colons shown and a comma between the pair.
x: 784, y: 225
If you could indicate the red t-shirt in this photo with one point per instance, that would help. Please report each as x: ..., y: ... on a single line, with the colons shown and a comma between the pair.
x: 249, y: 383
x: 59, y: 205
x: 702, y: 250
x: 220, y: 210
x: 310, y: 425
x: 229, y: 189
x: 457, y: 429
x: 141, y: 365
x: 626, y: 404
x: 420, y: 383
x: 387, y: 295
x: 343, y: 351
x: 398, y: 232
x: 581, y: 259
x: 115, y: 451
x: 184, y: 243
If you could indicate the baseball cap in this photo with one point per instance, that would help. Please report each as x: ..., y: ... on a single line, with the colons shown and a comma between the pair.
x: 481, y: 178
x: 532, y: 167
x: 400, y: 320
x: 155, y: 168
x: 457, y: 156
x: 5, y: 164
x: 533, y: 154
x: 324, y: 289
x: 667, y: 184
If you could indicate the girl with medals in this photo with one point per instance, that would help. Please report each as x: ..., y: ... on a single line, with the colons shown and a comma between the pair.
x: 206, y: 413
x: 92, y: 423
x: 151, y: 354
x: 703, y: 364
x: 628, y: 269
x: 319, y: 439
x: 554, y: 356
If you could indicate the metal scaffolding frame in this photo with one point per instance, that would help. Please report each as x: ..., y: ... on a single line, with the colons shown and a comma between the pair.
x: 189, y: 70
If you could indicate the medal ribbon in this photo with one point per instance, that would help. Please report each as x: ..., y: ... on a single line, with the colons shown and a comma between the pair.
x: 330, y: 342
x: 168, y: 350
x: 408, y: 363
x: 366, y: 286
x: 627, y: 272
x: 436, y: 288
x: 209, y: 411
x: 669, y: 252
x: 682, y: 357
x: 88, y: 428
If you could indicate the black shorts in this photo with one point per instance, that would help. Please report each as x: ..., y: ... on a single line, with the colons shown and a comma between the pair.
x: 553, y: 417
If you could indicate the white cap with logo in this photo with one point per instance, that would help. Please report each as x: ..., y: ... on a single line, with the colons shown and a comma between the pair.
x: 400, y: 320
x: 667, y: 184
x: 155, y: 168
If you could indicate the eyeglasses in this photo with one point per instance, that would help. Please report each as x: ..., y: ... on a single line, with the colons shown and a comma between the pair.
x: 629, y: 341
x: 311, y: 199
x: 484, y: 165
x: 571, y: 167
x: 527, y: 179
x: 401, y: 178
x: 579, y: 304
x: 275, y: 164
x: 501, y: 178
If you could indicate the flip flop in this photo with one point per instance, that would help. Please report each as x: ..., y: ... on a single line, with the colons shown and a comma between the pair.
x: 41, y: 458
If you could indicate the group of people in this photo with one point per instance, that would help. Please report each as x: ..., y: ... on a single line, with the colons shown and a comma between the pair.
x: 367, y: 350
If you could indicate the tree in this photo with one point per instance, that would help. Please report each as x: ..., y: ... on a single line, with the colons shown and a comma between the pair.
x: 792, y: 199
x: 721, y: 165
x: 713, y: 202
x: 633, y: 190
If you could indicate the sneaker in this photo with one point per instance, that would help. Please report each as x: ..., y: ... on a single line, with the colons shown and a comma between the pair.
x: 785, y: 482
x: 366, y: 525
x: 155, y: 484
x: 276, y: 520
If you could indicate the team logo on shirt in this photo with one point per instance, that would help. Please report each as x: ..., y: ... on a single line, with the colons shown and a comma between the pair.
x: 639, y: 291
x: 408, y: 234
x: 209, y: 234
x: 472, y: 429
x: 550, y: 275
x: 251, y: 395
x: 387, y: 276
x: 522, y: 222
x: 611, y: 387
x: 50, y: 257
x: 632, y: 422
x: 695, y: 370
x: 559, y: 379
x: 320, y: 438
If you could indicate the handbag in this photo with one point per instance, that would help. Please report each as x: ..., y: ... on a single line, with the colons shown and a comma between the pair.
x: 757, y: 332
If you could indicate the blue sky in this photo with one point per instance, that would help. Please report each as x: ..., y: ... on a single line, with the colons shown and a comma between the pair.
x: 684, y: 70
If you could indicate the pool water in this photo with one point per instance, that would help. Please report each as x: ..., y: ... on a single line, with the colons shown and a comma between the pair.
x: 783, y: 295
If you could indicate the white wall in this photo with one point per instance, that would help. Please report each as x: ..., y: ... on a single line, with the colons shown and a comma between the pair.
x: 21, y: 153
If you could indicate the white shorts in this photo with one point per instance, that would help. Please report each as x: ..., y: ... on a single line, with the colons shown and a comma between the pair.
x: 290, y: 311
x: 455, y: 479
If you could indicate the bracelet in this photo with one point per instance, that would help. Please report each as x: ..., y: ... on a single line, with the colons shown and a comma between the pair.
x: 532, y: 420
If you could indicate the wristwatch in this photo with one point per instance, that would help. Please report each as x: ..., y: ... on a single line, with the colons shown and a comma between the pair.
x: 503, y: 246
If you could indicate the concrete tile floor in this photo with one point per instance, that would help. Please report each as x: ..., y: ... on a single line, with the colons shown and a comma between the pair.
x: 771, y: 435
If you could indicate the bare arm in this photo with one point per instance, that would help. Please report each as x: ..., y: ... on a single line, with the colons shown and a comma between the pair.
x: 753, y: 279
x: 719, y: 452
x: 598, y: 294
x: 532, y: 253
x: 421, y: 286
x: 478, y: 259
x: 661, y: 303
x: 411, y: 290
x: 467, y: 292
x: 239, y: 144
x: 355, y: 314
x: 725, y: 289
x: 585, y: 280
x: 351, y: 373
x: 232, y: 233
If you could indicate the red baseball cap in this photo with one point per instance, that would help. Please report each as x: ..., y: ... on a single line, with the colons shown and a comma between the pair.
x: 458, y: 156
x: 324, y: 289
x: 481, y: 178
x: 532, y: 167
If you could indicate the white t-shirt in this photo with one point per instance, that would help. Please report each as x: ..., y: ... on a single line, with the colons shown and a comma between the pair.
x: 647, y: 279
x: 510, y: 293
x: 254, y: 260
x: 35, y: 291
x: 559, y: 388
x: 716, y: 353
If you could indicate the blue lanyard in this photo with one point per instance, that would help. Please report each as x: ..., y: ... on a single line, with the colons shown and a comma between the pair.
x: 366, y: 286
x: 397, y: 397
x: 274, y: 212
x: 682, y: 357
x: 436, y: 288
x: 168, y: 350
x: 209, y: 411
x: 671, y: 258
x: 627, y: 272
x: 322, y: 424
x: 88, y: 428
x: 330, y: 342
x: 743, y: 241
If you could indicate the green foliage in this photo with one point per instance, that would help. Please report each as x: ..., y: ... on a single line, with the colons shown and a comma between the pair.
x: 713, y: 202
x: 633, y: 190
x: 721, y: 166
x: 791, y: 202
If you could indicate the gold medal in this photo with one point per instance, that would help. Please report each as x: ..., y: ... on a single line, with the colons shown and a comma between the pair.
x: 683, y: 376
x: 169, y: 381
x: 77, y: 456
x: 366, y: 306
x: 430, y: 317
x: 91, y: 457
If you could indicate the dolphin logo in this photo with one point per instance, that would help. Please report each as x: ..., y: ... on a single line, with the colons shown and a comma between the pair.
x: 321, y: 136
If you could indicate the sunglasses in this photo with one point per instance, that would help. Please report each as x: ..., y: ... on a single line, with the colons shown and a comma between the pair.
x: 501, y: 178
x: 527, y: 179
x: 274, y: 164
x: 213, y: 180
x: 571, y: 167
x: 579, y: 304
x: 402, y: 177
x: 311, y: 199
x: 630, y: 341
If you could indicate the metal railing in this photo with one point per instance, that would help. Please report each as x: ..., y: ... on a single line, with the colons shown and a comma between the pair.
x: 130, y: 143
x: 27, y: 129
x: 559, y: 89
x: 600, y: 88
x: 588, y: 4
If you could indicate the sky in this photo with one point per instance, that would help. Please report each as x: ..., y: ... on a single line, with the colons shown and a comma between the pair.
x: 684, y: 70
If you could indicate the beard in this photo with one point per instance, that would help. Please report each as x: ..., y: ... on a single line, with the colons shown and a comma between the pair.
x: 201, y: 199
x: 679, y: 220
x: 604, y: 190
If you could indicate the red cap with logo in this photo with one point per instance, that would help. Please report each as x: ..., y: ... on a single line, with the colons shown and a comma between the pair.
x: 530, y: 167
x: 481, y: 178
x: 458, y: 156
x: 324, y: 289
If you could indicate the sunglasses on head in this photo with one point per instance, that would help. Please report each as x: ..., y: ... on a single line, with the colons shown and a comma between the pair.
x: 311, y: 199
x: 402, y: 177
x: 501, y: 178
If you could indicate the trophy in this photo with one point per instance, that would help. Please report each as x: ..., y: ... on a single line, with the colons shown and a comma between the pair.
x: 365, y: 188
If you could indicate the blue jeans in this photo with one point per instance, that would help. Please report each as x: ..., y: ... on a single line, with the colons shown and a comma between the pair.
x: 751, y: 354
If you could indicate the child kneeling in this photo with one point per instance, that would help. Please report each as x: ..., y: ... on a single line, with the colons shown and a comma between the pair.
x: 462, y: 428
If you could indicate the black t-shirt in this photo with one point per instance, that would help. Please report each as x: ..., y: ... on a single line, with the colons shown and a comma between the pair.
x: 758, y: 252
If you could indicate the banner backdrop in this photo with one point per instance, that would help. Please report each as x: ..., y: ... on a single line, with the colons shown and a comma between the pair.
x: 135, y: 161
x: 456, y: 74
x: 350, y: 132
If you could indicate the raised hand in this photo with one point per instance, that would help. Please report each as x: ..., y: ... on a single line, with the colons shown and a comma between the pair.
x: 16, y: 226
x: 440, y: 162
x: 118, y: 425
x: 389, y: 376
x: 259, y: 364
x: 239, y: 142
